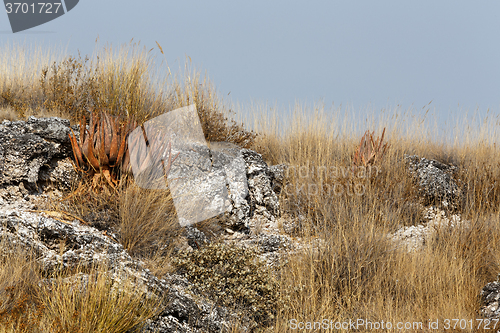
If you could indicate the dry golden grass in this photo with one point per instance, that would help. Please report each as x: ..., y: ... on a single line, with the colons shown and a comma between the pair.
x: 20, y: 67
x: 357, y: 274
x: 95, y: 303
x: 143, y: 220
x: 148, y: 224
x: 125, y: 80
x: 81, y: 301
x: 20, y: 306
x: 216, y: 117
x: 8, y: 113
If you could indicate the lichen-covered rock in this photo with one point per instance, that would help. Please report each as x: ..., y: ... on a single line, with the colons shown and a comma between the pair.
x: 435, y: 181
x: 228, y: 181
x: 35, y: 153
x: 264, y: 202
x: 490, y: 297
x: 236, y: 181
x: 278, y: 176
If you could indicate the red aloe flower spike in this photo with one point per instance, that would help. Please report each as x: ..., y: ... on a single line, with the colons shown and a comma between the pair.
x: 370, y: 151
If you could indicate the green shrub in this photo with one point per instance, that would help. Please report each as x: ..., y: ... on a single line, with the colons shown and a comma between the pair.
x: 233, y: 276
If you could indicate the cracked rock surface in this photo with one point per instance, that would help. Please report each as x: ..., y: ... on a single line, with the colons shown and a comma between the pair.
x: 29, y: 149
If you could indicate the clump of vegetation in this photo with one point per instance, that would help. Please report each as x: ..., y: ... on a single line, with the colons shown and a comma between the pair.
x: 233, y: 277
x: 68, y: 86
x: 144, y: 221
x: 20, y: 305
x: 102, y: 150
x: 370, y: 151
x: 147, y: 221
x: 83, y: 300
x: 94, y: 302
x: 120, y: 81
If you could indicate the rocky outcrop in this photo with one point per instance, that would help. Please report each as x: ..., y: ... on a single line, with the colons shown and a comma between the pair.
x: 35, y: 158
x: 226, y: 180
x: 210, y: 182
x: 254, y: 211
x: 440, y: 195
x: 29, y: 149
x: 435, y: 181
x: 490, y: 297
x: 263, y: 201
x: 69, y: 244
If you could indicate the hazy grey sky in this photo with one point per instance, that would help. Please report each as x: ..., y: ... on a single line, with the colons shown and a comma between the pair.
x: 381, y: 53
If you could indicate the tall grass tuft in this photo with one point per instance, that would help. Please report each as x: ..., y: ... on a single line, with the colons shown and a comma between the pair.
x: 84, y: 300
x: 20, y: 305
x: 148, y: 222
x: 95, y: 302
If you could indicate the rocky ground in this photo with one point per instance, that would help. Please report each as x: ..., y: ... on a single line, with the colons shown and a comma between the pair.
x: 35, y: 163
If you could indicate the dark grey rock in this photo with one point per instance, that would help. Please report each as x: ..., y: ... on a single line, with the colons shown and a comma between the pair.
x: 278, y: 177
x: 263, y: 200
x: 51, y: 129
x: 490, y: 297
x: 435, y: 181
x: 31, y: 152
x: 195, y: 237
